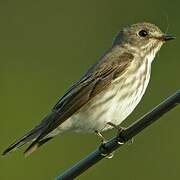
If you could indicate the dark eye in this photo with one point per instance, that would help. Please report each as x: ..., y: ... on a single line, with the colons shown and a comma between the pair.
x: 143, y: 33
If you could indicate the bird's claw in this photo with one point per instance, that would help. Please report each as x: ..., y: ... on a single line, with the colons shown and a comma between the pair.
x: 119, y: 132
x: 120, y: 143
x: 104, y: 151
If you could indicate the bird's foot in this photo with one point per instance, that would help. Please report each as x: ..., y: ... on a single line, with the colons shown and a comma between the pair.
x: 102, y: 138
x: 119, y: 131
x: 105, y: 152
x: 102, y: 147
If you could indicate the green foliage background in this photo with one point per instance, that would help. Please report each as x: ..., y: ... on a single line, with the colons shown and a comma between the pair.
x: 44, y: 47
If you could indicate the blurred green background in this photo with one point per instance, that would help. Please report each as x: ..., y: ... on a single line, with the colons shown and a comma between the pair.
x: 47, y: 45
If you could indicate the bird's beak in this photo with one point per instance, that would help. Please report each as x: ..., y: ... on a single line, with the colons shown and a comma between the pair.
x: 167, y: 37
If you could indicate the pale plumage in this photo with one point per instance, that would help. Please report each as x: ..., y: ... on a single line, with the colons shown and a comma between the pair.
x: 108, y: 92
x: 117, y: 102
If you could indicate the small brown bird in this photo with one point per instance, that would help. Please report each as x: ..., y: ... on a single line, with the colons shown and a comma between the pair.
x: 107, y: 93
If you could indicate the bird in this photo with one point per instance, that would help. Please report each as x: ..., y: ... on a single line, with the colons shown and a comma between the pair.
x: 107, y: 93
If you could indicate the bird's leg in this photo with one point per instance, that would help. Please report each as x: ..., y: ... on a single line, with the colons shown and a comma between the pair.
x: 120, y: 129
x: 103, y: 139
x: 102, y: 146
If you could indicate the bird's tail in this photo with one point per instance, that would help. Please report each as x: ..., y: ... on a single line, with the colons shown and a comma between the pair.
x: 30, y: 136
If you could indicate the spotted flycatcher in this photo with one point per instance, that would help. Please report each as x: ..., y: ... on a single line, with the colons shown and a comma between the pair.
x: 107, y: 93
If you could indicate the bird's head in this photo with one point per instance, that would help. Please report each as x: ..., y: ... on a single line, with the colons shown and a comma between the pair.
x: 142, y: 37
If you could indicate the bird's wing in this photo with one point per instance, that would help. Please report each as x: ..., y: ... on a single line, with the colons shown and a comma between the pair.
x: 96, y: 81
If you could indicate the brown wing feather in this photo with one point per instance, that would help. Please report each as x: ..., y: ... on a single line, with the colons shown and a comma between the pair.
x: 96, y: 81
x: 82, y: 92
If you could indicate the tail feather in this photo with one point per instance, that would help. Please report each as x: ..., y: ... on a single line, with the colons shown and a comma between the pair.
x: 32, y: 136
x: 34, y: 146
x: 25, y: 139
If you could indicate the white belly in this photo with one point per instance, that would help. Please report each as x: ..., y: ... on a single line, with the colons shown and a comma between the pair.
x: 113, y: 105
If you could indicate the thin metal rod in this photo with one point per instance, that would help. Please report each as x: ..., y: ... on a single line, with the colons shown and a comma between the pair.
x: 126, y: 135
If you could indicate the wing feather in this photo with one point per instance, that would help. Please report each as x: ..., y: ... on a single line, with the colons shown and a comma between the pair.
x: 87, y: 88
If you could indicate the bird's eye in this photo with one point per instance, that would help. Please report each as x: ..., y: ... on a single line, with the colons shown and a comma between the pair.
x: 143, y: 33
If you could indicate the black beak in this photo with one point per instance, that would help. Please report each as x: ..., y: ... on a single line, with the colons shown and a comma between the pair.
x: 167, y: 37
